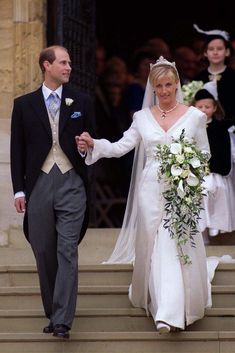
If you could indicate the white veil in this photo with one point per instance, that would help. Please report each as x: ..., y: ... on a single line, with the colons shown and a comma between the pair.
x: 124, y: 250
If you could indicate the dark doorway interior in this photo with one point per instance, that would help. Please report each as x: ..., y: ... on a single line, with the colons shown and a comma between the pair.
x: 123, y: 26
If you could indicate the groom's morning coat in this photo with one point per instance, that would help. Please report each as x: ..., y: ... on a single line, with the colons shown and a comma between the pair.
x: 31, y: 138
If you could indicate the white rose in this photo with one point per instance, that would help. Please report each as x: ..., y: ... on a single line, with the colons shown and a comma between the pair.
x: 188, y: 200
x: 68, y: 101
x: 195, y: 162
x: 180, y: 189
x: 192, y: 180
x: 206, y: 155
x: 184, y: 209
x: 188, y: 150
x: 184, y: 173
x: 180, y: 158
x: 176, y: 148
x: 175, y: 170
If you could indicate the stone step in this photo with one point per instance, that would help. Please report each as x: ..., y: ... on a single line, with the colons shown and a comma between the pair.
x: 88, y: 297
x: 120, y: 342
x: 94, y: 249
x: 98, y: 297
x: 94, y: 320
x: 223, y: 296
x: 224, y: 274
x: 109, y: 320
x: 20, y: 256
x: 26, y: 275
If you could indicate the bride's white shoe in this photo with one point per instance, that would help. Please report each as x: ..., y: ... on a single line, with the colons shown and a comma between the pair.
x: 163, y: 328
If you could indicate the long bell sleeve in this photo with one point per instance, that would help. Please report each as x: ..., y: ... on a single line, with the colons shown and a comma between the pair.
x: 105, y: 149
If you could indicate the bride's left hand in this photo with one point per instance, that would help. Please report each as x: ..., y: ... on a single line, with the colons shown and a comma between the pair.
x: 84, y: 141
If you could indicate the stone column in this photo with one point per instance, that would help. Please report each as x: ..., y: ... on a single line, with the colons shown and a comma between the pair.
x: 29, y: 32
x: 22, y: 36
x: 6, y: 57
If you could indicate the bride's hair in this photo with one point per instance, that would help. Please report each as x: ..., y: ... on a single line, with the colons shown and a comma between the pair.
x: 157, y: 72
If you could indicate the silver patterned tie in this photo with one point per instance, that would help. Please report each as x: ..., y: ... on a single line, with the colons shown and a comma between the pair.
x: 54, y: 104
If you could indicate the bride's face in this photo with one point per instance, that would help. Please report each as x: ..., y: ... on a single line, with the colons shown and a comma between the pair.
x: 165, y: 89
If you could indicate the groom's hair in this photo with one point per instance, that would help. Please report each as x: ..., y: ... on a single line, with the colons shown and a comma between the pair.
x: 48, y: 54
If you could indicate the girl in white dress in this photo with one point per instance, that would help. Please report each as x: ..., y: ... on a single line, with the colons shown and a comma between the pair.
x: 219, y: 203
x: 175, y: 294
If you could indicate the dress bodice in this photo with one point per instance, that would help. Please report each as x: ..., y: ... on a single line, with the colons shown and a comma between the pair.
x: 145, y: 130
x: 193, y: 121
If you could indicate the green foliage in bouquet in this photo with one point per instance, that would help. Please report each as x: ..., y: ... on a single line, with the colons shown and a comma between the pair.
x: 182, y: 168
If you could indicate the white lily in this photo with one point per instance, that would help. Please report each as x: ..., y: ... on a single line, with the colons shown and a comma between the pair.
x: 176, y: 148
x: 180, y: 189
x: 192, y: 180
x: 175, y: 170
x: 195, y: 162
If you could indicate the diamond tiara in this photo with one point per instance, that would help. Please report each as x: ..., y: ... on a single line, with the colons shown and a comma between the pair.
x: 162, y: 62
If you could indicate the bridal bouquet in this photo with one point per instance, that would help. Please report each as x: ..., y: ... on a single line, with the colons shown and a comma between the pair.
x: 182, y: 167
x: 190, y: 89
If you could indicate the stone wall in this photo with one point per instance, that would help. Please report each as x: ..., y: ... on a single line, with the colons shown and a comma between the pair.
x: 22, y: 36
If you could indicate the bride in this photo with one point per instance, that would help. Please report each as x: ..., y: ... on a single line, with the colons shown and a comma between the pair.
x: 175, y: 294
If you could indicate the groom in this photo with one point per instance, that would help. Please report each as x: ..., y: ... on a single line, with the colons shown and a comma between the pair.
x: 49, y: 179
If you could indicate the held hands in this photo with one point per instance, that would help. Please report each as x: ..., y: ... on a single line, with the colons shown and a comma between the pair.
x: 84, y: 142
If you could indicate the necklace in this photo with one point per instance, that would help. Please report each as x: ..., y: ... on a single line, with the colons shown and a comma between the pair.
x: 164, y: 112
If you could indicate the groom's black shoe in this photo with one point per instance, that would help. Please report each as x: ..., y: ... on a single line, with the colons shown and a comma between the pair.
x: 61, y: 331
x: 49, y: 328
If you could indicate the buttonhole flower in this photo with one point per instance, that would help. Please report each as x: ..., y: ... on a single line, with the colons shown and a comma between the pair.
x: 68, y: 101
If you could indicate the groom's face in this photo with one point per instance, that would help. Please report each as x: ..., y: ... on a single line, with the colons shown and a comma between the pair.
x: 59, y: 70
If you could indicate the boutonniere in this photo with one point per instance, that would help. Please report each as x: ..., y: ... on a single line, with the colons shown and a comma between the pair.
x: 76, y: 115
x: 68, y: 101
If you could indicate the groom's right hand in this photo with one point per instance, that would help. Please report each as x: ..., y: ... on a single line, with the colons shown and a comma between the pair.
x: 20, y: 204
x: 84, y: 141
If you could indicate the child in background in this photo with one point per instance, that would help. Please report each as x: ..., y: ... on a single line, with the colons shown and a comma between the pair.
x: 219, y: 203
x: 217, y: 51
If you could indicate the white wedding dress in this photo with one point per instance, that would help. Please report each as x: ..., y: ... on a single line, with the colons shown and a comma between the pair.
x: 171, y: 292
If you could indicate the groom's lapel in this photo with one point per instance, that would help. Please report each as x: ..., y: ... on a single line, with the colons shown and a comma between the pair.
x: 65, y: 110
x: 39, y: 106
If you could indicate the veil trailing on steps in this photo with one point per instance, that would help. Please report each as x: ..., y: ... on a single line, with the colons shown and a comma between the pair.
x: 124, y: 250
